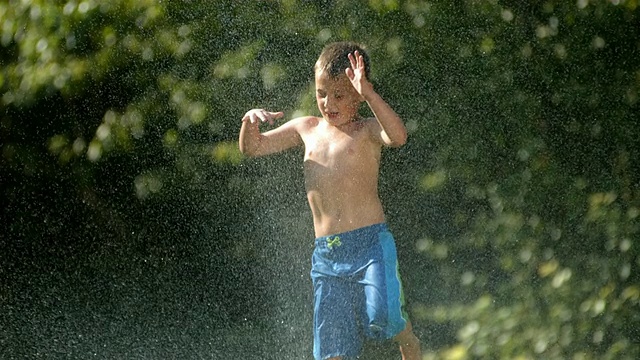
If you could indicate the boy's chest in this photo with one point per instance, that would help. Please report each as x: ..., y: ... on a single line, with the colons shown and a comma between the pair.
x: 337, y: 149
x: 325, y: 147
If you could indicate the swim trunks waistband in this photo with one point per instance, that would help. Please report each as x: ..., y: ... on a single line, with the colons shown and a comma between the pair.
x: 360, y: 233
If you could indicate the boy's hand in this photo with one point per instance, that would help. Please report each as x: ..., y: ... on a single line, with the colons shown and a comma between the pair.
x: 256, y: 116
x: 357, y: 74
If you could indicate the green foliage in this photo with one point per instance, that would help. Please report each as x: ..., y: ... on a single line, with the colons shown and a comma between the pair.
x: 516, y: 197
x: 533, y: 129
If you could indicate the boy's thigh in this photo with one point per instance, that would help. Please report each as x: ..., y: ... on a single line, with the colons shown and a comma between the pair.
x: 336, y: 326
x: 384, y: 305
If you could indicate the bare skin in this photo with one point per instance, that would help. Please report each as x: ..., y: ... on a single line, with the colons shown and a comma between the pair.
x: 342, y: 156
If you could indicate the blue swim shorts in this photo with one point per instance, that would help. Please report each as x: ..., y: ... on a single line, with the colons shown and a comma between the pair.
x: 358, y: 292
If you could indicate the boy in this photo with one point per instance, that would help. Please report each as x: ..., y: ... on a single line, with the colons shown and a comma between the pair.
x: 354, y: 266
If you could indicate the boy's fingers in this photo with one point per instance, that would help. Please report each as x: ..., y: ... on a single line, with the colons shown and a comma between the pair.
x: 352, y: 60
x: 250, y: 116
x: 277, y: 115
x: 256, y: 115
x: 274, y: 115
x: 261, y: 116
x: 349, y: 73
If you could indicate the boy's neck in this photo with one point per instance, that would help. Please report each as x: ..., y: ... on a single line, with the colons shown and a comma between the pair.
x: 346, y: 124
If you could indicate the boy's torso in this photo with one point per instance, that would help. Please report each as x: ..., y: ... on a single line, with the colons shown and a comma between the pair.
x: 341, y: 175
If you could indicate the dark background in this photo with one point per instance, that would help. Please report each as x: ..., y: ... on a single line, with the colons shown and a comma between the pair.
x: 133, y: 228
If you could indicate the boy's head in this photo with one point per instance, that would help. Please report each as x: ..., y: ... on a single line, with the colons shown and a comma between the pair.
x: 337, y: 99
x: 334, y: 60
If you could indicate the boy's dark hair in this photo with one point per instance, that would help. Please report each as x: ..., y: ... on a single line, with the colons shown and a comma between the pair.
x: 334, y: 58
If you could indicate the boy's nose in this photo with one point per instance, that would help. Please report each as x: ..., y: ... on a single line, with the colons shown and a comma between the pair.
x: 328, y: 105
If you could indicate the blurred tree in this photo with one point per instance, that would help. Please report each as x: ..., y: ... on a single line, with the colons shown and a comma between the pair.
x: 515, y: 203
x: 532, y: 116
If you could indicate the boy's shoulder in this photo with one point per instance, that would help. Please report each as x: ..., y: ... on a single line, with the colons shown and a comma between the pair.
x: 370, y: 121
x: 307, y: 119
x: 371, y: 124
x: 305, y: 122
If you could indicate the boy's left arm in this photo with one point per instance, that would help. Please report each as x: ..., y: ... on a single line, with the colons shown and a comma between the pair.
x: 393, y: 133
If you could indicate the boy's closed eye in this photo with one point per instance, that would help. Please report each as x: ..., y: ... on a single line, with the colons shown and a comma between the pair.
x: 323, y: 94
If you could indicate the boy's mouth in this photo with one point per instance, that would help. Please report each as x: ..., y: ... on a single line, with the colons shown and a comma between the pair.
x: 332, y: 114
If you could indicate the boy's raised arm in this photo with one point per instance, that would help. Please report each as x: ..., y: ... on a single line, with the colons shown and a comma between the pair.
x: 254, y: 143
x: 393, y: 133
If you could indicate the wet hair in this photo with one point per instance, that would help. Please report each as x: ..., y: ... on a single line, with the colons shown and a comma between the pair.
x: 334, y: 58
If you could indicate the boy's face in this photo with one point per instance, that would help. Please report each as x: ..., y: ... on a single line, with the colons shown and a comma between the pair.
x: 337, y: 99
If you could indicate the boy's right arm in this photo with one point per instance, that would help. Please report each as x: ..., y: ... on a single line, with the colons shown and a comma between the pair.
x: 254, y: 143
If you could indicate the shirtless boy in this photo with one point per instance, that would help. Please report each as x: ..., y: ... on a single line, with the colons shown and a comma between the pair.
x: 358, y: 293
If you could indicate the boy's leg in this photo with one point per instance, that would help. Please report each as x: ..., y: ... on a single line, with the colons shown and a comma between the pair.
x: 385, y: 299
x: 335, y: 328
x: 409, y: 344
x: 383, y: 292
x: 376, y: 308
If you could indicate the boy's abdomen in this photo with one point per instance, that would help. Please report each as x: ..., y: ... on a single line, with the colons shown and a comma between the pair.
x: 344, y: 212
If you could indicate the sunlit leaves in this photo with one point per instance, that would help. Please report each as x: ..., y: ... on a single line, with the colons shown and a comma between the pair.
x: 117, y: 131
x: 384, y: 6
x: 487, y: 45
x: 434, y: 180
x: 37, y: 31
x: 237, y: 63
x: 226, y: 152
x: 148, y: 184
x: 519, y: 179
x: 271, y: 74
